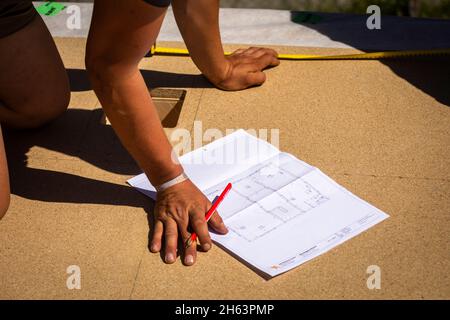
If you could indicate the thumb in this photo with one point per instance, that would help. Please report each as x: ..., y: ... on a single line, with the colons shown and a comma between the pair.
x: 255, y: 78
x: 217, y: 223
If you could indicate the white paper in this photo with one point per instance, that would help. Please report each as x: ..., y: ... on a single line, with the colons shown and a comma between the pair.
x: 281, y: 212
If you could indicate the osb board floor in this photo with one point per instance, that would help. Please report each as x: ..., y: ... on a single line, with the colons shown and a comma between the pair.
x: 381, y: 129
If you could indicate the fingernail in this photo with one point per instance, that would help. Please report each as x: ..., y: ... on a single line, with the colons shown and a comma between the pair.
x: 224, y: 227
x: 170, y: 258
x: 206, y: 246
x: 154, y: 248
x: 189, y: 260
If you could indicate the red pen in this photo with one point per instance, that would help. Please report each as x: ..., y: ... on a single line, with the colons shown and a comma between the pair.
x: 210, y: 212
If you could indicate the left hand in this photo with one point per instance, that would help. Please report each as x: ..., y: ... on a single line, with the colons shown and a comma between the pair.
x: 245, y: 68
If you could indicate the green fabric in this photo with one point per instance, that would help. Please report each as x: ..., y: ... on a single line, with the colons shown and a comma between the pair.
x: 50, y: 8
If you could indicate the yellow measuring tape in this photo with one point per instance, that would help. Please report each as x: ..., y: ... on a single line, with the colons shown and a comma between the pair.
x: 358, y: 56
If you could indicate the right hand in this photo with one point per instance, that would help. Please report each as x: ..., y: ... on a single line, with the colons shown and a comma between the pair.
x: 180, y: 210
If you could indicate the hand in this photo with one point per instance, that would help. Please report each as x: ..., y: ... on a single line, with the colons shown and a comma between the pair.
x: 245, y: 68
x: 178, y: 210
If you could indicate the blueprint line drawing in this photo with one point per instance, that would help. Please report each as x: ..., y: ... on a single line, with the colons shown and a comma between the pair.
x: 271, y: 195
x: 281, y: 211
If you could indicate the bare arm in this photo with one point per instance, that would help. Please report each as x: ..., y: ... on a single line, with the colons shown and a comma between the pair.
x: 198, y: 21
x: 120, y: 35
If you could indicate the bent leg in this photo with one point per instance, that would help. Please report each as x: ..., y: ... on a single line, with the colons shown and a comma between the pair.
x: 34, y: 87
x: 4, y: 179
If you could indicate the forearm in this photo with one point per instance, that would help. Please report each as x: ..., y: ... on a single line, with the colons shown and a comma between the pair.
x: 198, y: 21
x: 130, y: 109
x: 121, y: 33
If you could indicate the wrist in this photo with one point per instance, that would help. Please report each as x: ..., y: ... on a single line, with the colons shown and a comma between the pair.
x: 164, y: 174
x: 219, y: 72
x: 172, y: 182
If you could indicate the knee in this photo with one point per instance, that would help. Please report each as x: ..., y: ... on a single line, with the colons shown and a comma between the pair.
x: 55, y: 107
x: 4, y: 204
x: 44, y: 110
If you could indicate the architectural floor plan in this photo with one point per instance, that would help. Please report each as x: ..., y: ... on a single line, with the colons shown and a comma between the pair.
x: 280, y: 212
x: 270, y: 194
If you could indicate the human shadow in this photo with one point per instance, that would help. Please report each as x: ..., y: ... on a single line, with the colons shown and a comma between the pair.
x: 78, y: 134
x: 79, y: 80
x: 430, y: 74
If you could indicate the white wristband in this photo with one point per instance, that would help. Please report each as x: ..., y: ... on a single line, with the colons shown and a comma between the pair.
x: 182, y: 177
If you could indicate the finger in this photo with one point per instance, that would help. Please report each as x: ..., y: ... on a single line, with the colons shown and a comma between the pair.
x: 190, y: 252
x: 217, y: 223
x: 255, y: 78
x: 259, y: 52
x: 198, y: 223
x: 238, y: 51
x: 158, y: 229
x: 272, y: 52
x: 171, y: 237
x: 252, y: 50
x: 266, y: 60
